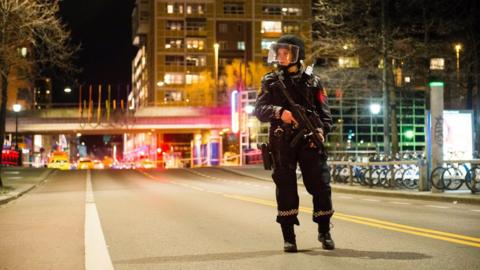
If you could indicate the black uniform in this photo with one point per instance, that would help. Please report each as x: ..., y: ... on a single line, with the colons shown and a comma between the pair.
x: 308, y: 92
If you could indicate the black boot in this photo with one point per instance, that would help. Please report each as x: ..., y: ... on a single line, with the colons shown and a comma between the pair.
x: 288, y: 232
x: 327, y: 241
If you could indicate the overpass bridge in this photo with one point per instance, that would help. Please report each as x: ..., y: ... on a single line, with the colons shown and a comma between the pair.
x: 147, y: 119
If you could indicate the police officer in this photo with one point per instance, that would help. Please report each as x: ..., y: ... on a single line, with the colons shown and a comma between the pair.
x: 272, y: 106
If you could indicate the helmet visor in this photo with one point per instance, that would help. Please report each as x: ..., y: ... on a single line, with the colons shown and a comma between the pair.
x: 283, y: 54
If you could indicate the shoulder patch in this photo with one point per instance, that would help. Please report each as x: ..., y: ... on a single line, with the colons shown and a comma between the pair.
x: 322, y: 95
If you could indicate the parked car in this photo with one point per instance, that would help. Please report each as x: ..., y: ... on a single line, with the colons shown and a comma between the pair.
x: 97, y: 164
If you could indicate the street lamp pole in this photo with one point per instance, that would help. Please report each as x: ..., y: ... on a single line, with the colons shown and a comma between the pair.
x: 458, y: 47
x: 16, y: 109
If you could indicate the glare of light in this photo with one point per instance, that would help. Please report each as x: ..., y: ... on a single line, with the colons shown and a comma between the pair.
x: 23, y: 51
x: 160, y: 83
x: 48, y: 92
x: 433, y: 84
x: 79, y: 134
x: 249, y: 109
x: 67, y: 89
x: 375, y: 108
x: 83, y: 143
x: 345, y: 47
x: 409, y: 134
x: 407, y: 79
x: 458, y: 47
x: 17, y: 107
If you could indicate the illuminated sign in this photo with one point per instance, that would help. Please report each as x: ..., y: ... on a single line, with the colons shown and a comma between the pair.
x: 235, y: 113
x: 457, y: 135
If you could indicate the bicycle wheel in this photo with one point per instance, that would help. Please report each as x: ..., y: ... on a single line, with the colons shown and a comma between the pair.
x: 472, y: 179
x: 452, y: 178
x: 410, y: 178
x: 436, y: 178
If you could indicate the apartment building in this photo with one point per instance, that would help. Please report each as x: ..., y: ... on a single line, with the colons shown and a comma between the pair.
x: 176, y: 43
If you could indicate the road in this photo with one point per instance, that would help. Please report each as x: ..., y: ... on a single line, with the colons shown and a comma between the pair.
x: 210, y: 218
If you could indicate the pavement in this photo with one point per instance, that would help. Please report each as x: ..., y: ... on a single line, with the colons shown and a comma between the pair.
x: 463, y: 195
x: 18, y: 181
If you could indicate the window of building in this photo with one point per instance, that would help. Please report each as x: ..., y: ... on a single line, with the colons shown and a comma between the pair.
x: 173, y: 96
x: 196, y: 60
x: 196, y: 25
x: 291, y: 11
x: 233, y: 8
x: 348, y: 62
x: 173, y: 43
x: 196, y: 43
x: 174, y: 78
x: 174, y: 25
x: 437, y: 64
x: 290, y: 27
x: 175, y: 8
x: 192, y: 78
x: 271, y: 10
x: 223, y: 27
x: 222, y: 45
x: 271, y: 27
x: 174, y: 60
x: 241, y: 45
x: 266, y: 42
x: 195, y: 9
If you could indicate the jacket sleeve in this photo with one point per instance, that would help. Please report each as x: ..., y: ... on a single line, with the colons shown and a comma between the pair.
x: 321, y: 105
x: 265, y: 110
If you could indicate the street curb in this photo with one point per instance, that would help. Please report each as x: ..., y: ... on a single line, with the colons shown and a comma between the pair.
x: 15, y: 195
x: 385, y: 193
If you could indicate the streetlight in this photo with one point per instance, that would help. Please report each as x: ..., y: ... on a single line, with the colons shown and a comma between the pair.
x: 458, y: 47
x: 375, y: 110
x: 67, y: 89
x: 16, y: 108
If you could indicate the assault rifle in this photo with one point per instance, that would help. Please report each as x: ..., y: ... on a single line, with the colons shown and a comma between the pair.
x: 309, y: 123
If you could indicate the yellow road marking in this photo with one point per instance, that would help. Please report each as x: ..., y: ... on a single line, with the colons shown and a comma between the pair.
x: 449, y: 237
x: 445, y: 236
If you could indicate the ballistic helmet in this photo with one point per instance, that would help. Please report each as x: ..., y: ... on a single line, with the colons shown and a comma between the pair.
x: 287, y: 43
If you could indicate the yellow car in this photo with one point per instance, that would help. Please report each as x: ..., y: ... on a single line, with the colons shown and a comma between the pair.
x: 59, y: 162
x: 85, y: 164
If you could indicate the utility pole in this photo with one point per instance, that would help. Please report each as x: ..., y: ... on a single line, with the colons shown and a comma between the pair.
x: 386, y: 138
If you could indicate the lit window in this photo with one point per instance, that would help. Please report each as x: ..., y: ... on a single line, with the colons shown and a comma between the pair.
x: 170, y: 8
x: 437, y: 64
x: 176, y: 43
x: 173, y: 96
x: 189, y: 9
x: 173, y: 78
x: 174, y: 25
x: 272, y: 10
x: 196, y: 60
x: 271, y: 27
x: 192, y: 78
x: 241, y: 45
x: 291, y: 11
x: 266, y: 42
x: 348, y: 62
x: 195, y: 44
x: 290, y: 27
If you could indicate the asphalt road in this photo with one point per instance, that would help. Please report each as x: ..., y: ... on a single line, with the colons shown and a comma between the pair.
x: 209, y: 218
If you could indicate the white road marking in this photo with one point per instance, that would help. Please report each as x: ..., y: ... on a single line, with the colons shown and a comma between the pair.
x: 437, y: 206
x: 370, y: 200
x: 345, y: 197
x: 14, y: 177
x: 96, y: 252
x: 476, y: 210
x: 403, y: 203
x: 11, y: 172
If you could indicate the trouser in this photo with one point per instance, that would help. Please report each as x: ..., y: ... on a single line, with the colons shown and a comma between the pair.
x: 316, y: 178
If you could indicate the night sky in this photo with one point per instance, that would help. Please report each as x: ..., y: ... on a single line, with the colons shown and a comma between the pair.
x: 103, y: 29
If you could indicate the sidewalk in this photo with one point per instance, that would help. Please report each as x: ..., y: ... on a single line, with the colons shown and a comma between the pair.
x: 460, y: 196
x: 19, y: 180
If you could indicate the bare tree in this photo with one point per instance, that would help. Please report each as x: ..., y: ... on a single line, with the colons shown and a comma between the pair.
x: 35, y: 26
x: 387, y: 37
